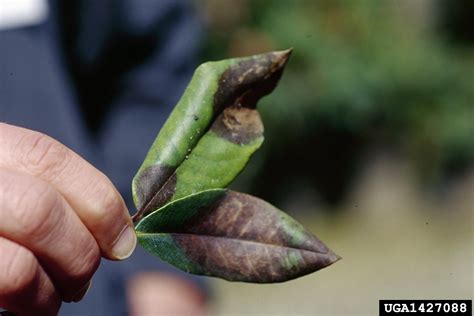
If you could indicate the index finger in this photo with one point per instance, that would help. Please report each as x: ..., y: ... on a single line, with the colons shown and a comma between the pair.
x: 90, y: 193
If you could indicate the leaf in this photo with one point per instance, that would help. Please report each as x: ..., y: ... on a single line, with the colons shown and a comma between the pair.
x: 233, y: 236
x: 218, y: 157
x: 211, y: 133
x: 185, y: 218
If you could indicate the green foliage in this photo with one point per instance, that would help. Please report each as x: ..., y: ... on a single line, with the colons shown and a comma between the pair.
x: 185, y: 218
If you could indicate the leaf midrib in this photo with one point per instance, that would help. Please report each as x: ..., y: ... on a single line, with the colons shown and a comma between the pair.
x: 139, y: 234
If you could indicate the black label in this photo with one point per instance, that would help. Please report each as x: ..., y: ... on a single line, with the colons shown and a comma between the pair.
x: 425, y: 307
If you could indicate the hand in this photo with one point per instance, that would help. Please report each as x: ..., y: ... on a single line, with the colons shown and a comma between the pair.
x: 58, y: 217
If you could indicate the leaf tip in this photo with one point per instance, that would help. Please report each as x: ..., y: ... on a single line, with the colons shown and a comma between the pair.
x: 333, y: 257
x: 282, y: 56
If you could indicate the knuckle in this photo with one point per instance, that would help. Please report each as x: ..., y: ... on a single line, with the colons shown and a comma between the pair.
x: 110, y: 205
x: 23, y: 288
x: 86, y: 264
x: 42, y: 155
x: 32, y: 207
x: 37, y: 210
x: 19, y: 268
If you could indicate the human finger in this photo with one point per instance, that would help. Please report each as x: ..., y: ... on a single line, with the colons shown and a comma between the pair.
x: 89, y: 192
x: 25, y: 288
x: 34, y: 215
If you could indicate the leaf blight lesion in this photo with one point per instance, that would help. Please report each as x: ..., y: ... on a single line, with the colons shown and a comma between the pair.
x: 239, y: 84
x: 211, y: 224
x: 186, y: 218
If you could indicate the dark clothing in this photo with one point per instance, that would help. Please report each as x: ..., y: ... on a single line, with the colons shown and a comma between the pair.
x: 101, y: 77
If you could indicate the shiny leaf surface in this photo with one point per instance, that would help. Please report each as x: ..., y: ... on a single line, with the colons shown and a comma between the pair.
x: 216, y: 112
x: 185, y: 217
x: 233, y: 236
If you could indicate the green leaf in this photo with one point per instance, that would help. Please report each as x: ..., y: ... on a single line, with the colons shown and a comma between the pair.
x: 218, y: 157
x: 211, y: 133
x: 185, y: 218
x: 233, y: 236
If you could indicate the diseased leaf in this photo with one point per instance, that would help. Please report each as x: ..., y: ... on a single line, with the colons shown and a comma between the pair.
x: 185, y: 218
x: 211, y: 133
x: 233, y: 236
x: 218, y: 157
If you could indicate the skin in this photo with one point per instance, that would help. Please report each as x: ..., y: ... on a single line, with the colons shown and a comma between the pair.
x: 177, y: 296
x: 58, y: 217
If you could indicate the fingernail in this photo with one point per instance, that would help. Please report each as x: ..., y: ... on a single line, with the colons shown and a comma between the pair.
x: 82, y: 292
x: 125, y: 244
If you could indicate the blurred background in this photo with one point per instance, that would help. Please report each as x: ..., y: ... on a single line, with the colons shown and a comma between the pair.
x: 369, y: 143
x: 369, y: 135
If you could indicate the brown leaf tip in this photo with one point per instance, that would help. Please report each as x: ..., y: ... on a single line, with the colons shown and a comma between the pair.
x: 281, y: 57
x: 244, y: 83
